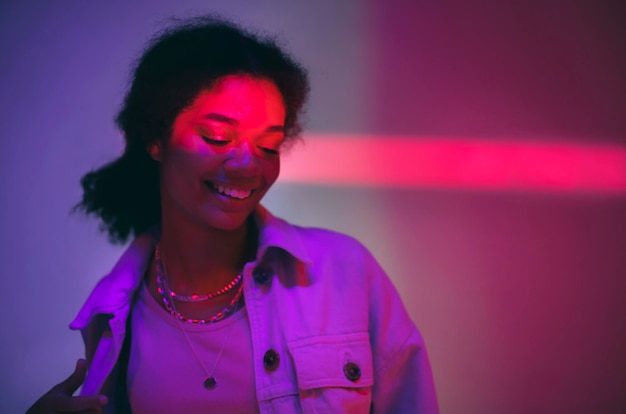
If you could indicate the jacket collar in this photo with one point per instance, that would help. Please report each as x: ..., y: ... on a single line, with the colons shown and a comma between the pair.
x: 276, y: 232
x: 114, y: 293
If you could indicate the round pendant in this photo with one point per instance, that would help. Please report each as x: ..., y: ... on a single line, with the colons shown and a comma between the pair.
x: 209, y: 383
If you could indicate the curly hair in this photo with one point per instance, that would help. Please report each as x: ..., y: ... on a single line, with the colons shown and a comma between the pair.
x: 179, y: 63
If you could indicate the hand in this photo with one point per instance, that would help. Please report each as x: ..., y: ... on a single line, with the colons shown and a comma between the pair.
x: 59, y: 399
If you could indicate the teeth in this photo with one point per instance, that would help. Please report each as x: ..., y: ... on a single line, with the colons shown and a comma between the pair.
x: 233, y: 192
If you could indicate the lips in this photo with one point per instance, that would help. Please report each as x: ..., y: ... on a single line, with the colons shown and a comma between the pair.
x: 230, y: 192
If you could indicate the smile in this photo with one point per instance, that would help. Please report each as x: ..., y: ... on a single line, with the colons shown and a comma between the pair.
x: 230, y: 192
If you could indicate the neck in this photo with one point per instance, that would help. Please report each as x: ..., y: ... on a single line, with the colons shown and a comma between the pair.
x: 200, y: 260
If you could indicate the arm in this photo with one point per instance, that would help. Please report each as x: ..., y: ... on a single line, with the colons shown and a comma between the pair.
x: 405, y: 384
x: 403, y: 381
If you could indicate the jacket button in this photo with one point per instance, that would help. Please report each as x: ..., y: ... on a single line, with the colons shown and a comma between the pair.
x: 271, y: 359
x: 352, y: 371
x: 261, y: 275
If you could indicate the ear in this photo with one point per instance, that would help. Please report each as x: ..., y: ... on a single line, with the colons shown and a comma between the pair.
x: 154, y: 150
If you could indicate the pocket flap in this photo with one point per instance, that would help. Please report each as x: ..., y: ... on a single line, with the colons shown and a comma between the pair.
x: 333, y: 361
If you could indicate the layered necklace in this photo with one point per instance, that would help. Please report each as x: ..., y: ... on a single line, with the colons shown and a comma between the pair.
x: 201, y: 298
x: 169, y: 298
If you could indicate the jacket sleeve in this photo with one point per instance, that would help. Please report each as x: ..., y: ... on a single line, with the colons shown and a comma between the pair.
x: 403, y: 381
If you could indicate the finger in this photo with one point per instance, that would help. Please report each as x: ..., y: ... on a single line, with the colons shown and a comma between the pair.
x: 91, y: 403
x: 61, y: 403
x: 99, y: 411
x: 74, y: 381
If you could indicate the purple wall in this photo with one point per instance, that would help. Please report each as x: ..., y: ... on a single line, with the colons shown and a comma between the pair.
x: 520, y: 296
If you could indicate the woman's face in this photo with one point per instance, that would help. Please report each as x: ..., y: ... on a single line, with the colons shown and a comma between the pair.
x: 223, y: 154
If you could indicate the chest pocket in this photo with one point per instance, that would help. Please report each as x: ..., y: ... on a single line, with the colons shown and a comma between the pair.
x: 334, y: 371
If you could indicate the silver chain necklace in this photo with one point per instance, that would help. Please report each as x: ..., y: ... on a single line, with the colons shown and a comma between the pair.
x: 209, y: 381
x: 201, y: 298
x: 163, y: 289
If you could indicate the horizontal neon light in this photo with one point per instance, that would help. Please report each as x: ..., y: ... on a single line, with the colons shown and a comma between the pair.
x: 455, y: 163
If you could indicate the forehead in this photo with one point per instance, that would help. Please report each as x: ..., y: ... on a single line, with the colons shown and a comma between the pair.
x: 241, y: 97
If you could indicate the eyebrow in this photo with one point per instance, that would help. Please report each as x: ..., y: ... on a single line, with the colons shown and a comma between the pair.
x: 213, y: 116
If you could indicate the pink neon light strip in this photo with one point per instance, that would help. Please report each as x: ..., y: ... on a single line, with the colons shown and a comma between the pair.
x: 456, y: 164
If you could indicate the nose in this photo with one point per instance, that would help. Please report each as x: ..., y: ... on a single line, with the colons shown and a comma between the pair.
x: 242, y: 161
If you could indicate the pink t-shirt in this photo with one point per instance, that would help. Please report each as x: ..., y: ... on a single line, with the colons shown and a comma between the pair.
x: 164, y: 376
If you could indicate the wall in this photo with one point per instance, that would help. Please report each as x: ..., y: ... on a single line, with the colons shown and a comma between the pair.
x: 519, y: 293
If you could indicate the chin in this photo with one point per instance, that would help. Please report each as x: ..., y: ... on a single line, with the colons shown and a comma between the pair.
x: 226, y: 222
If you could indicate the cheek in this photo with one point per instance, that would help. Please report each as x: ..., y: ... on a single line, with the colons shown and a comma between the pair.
x: 272, y: 170
x: 191, y: 161
x: 179, y: 171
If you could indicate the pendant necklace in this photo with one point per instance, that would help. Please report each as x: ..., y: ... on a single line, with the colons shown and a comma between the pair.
x: 209, y: 382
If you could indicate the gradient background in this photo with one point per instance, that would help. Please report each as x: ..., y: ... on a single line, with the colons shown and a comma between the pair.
x: 520, y: 294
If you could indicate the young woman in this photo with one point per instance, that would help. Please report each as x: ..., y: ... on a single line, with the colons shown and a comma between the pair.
x: 218, y: 306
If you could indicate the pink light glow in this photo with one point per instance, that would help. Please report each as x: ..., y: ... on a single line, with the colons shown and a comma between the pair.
x: 454, y: 163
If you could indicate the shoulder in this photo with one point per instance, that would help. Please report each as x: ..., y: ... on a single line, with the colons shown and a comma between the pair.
x: 337, y: 256
x: 329, y: 238
x: 115, y: 291
x: 333, y: 245
x: 308, y: 244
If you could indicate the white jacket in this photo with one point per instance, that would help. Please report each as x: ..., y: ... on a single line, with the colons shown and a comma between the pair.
x: 315, y: 297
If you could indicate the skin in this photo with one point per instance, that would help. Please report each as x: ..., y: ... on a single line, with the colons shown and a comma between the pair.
x: 222, y: 157
x: 230, y: 136
x: 59, y: 399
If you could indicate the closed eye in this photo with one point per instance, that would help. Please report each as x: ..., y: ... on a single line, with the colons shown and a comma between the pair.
x: 217, y: 142
x: 270, y: 151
